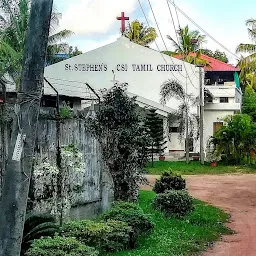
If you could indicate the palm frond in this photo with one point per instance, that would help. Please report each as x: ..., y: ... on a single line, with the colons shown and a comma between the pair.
x: 148, y: 36
x: 140, y: 34
x: 247, y: 48
x: 46, y: 228
x: 55, y: 19
x: 36, y: 226
x: 64, y: 34
x: 250, y: 22
x: 175, y: 44
x: 172, y: 89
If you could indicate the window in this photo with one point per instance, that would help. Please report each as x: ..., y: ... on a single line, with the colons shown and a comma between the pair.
x: 223, y: 99
x: 173, y: 130
x: 50, y: 103
x: 217, y: 126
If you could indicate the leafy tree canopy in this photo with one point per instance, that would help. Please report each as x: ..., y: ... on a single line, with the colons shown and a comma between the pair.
x: 154, y: 126
x: 14, y: 19
x: 236, y: 138
x: 249, y: 102
x: 188, y: 41
x: 123, y: 140
x: 216, y: 55
x: 247, y: 64
x: 74, y: 52
x: 140, y: 34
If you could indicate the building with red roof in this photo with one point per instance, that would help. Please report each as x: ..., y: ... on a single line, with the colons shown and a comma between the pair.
x: 217, y: 72
x: 223, y: 95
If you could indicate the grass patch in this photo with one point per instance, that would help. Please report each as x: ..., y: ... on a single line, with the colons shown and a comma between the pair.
x: 194, y: 167
x: 179, y: 237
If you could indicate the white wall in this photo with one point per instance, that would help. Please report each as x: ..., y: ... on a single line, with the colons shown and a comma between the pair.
x: 145, y: 84
x: 222, y: 106
x: 175, y: 144
x: 209, y: 118
x: 69, y: 78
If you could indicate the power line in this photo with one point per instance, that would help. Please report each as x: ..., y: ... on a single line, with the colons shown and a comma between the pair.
x: 167, y: 49
x: 203, y: 30
x: 156, y: 42
x: 164, y: 42
x: 149, y: 26
x: 176, y: 33
x: 173, y: 21
x: 183, y: 39
x: 157, y: 23
x: 161, y: 32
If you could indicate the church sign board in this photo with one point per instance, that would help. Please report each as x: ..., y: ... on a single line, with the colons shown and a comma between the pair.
x: 123, y: 67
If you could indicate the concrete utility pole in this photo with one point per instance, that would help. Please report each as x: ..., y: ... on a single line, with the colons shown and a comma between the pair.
x: 3, y: 129
x: 21, y: 151
x: 201, y: 95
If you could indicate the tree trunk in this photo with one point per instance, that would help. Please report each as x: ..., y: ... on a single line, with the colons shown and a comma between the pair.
x: 3, y: 136
x: 187, y: 140
x: 123, y: 192
x: 152, y: 155
x: 18, y: 173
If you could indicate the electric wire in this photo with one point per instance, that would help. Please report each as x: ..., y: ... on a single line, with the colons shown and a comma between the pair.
x: 178, y: 80
x: 149, y: 26
x: 203, y: 30
x: 165, y: 43
x: 161, y: 33
x: 183, y: 39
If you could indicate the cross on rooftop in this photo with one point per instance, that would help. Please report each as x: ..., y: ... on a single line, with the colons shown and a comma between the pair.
x: 123, y: 19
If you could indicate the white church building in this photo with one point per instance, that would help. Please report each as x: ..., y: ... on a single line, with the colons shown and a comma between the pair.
x: 145, y: 70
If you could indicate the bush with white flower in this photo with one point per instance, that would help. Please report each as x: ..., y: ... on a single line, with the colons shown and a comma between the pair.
x: 55, y: 187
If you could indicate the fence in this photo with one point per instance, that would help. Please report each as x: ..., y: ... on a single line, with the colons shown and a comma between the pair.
x: 97, y: 184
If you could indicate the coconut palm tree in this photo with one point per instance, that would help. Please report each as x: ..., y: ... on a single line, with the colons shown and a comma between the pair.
x: 140, y: 34
x: 188, y: 42
x: 248, y: 64
x: 187, y: 121
x: 14, y: 20
x: 37, y: 225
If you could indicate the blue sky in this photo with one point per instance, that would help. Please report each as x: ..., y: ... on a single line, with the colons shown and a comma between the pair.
x: 94, y: 21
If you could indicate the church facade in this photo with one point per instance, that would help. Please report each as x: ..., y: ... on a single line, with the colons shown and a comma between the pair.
x: 145, y: 70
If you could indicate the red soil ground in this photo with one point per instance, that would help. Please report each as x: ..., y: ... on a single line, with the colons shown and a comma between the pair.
x: 236, y: 194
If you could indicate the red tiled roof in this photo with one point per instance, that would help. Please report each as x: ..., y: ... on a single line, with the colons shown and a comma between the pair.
x: 214, y: 65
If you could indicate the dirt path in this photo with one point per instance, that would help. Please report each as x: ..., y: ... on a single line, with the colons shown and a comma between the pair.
x: 237, y: 195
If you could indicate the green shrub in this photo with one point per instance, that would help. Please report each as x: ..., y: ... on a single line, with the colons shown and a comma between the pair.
x: 37, y: 225
x: 168, y: 181
x: 66, y: 112
x: 174, y: 202
x: 107, y: 236
x: 60, y: 246
x: 132, y: 215
x: 126, y: 205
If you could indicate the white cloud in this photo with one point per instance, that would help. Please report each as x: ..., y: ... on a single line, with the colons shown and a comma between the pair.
x: 94, y: 21
x: 94, y: 16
